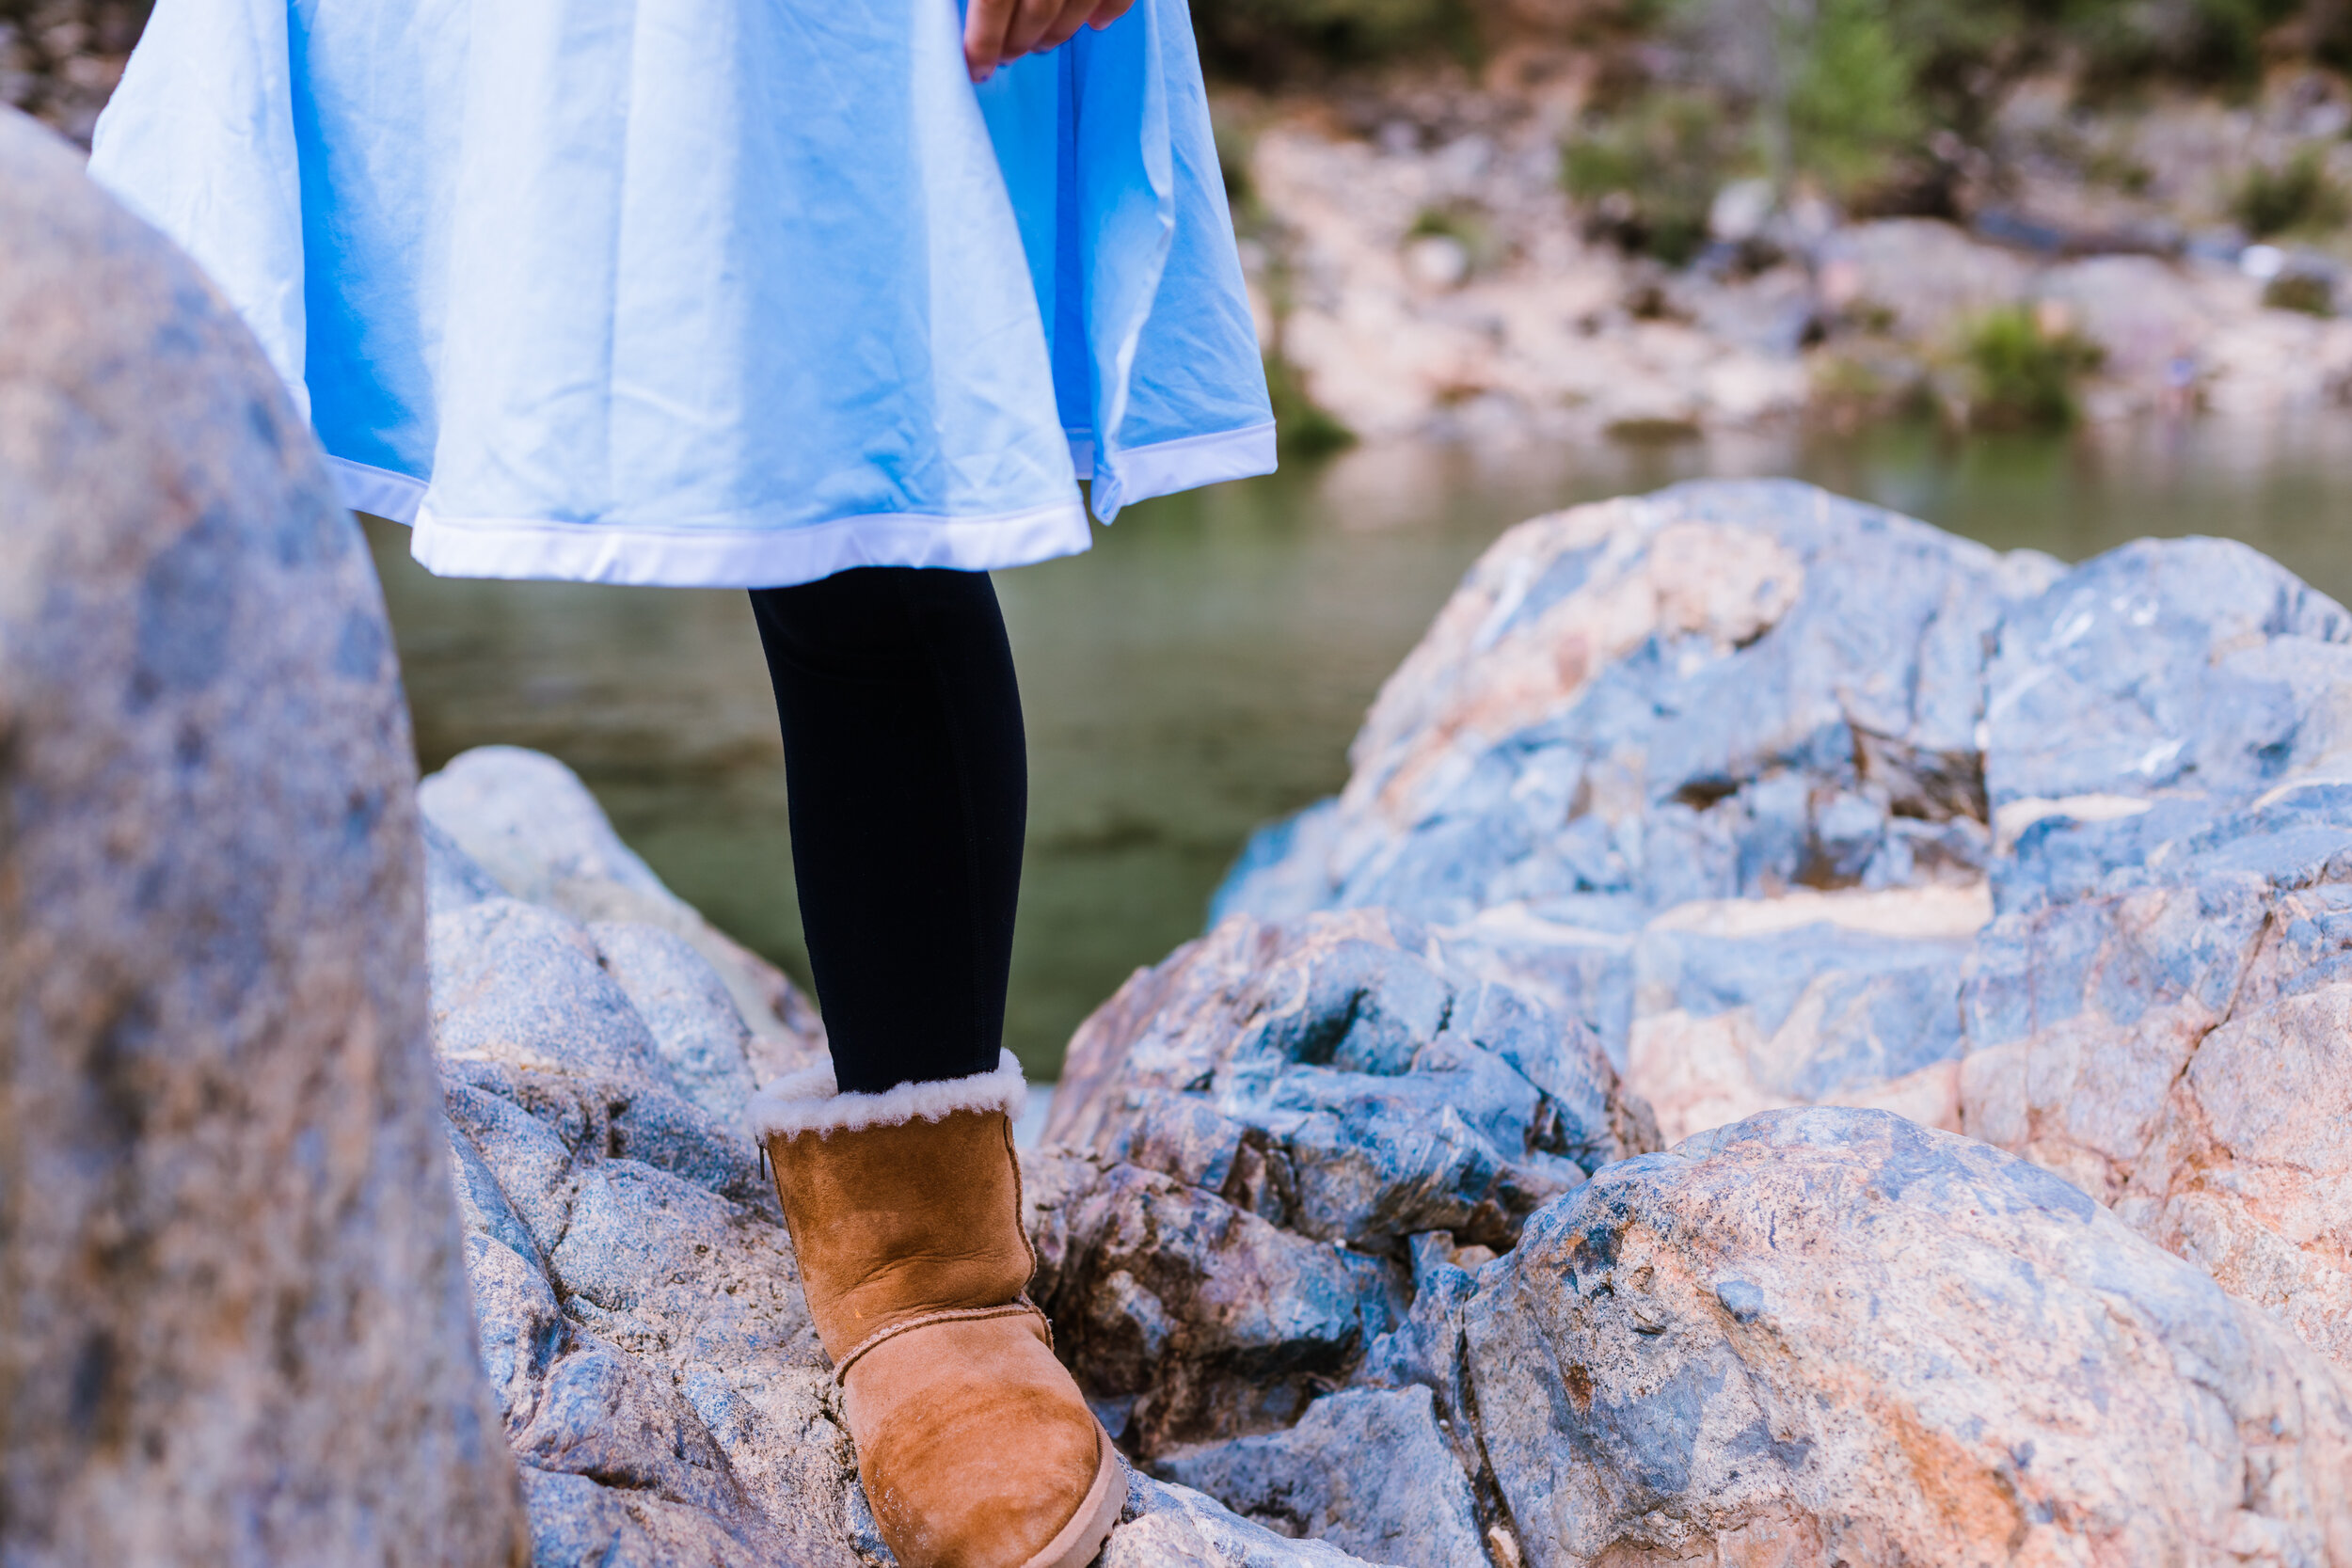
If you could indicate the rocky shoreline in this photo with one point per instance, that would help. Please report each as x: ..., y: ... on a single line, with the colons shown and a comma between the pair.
x: 1417, y: 262
x: 1563, y: 339
x: 1970, y: 923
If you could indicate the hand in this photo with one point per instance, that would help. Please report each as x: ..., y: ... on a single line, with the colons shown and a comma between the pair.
x: 998, y: 32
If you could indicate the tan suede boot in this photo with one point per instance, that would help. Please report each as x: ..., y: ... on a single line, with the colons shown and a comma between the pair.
x: 975, y: 1447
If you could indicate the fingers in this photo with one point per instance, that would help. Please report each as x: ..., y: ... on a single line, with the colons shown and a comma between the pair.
x: 998, y: 32
x: 1045, y: 25
x: 985, y: 25
x: 1074, y: 15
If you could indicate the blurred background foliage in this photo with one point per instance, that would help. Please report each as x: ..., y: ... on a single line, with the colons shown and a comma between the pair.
x: 59, y: 59
x: 1874, y: 101
x: 1951, y: 53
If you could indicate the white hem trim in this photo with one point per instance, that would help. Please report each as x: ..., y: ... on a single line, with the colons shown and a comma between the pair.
x: 1164, y: 467
x: 807, y: 1101
x: 779, y: 557
x: 378, y: 492
x: 742, y: 557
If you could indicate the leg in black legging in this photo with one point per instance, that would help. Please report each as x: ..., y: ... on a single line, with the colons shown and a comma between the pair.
x: 909, y: 779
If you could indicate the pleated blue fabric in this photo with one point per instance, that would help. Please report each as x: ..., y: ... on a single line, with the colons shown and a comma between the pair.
x: 710, y: 293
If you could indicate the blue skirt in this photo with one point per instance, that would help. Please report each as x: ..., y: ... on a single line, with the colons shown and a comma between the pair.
x: 710, y: 293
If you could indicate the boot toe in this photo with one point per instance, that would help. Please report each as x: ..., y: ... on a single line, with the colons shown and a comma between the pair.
x: 977, y: 1451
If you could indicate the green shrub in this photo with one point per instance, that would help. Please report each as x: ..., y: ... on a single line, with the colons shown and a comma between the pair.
x: 1467, y: 224
x: 1852, y: 108
x: 1304, y: 428
x: 2123, y: 43
x: 2301, y: 196
x: 2117, y: 168
x: 2022, y: 375
x: 1649, y: 175
x: 1958, y: 57
x: 1270, y: 39
x: 1866, y: 82
x: 1235, y: 148
x: 2304, y: 292
x: 1851, y: 389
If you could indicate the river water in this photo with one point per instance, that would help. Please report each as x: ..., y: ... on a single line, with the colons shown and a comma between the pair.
x: 1204, y: 666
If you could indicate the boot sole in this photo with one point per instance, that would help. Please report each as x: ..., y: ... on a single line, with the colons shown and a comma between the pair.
x: 1080, y: 1539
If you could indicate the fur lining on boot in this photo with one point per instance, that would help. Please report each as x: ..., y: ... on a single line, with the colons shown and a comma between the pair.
x: 807, y: 1101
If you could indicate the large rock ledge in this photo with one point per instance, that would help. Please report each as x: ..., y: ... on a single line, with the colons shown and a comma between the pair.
x: 1972, y: 927
x: 1793, y: 801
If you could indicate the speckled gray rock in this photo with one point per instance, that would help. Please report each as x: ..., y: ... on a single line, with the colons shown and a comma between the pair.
x: 656, y: 1369
x: 1342, y: 1077
x: 1185, y: 1318
x: 1722, y: 694
x: 2249, y: 1172
x: 523, y: 994
x: 529, y: 825
x: 1720, y: 691
x: 1174, y: 1526
x: 2153, y: 1014
x: 699, y: 1035
x: 522, y: 985
x: 640, y: 1315
x: 232, y: 1308
x: 453, y: 878
x: 1715, y: 772
x: 1831, y: 1334
x: 638, y: 1308
x: 1366, y: 1470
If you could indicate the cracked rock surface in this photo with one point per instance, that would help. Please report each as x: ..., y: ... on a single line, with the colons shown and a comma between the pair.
x: 639, y: 1312
x: 1793, y: 801
x: 1831, y: 1334
x: 1839, y: 838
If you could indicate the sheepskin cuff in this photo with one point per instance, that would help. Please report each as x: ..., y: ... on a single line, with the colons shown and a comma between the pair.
x: 808, y: 1103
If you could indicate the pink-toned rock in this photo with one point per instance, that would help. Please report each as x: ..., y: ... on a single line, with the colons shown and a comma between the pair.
x: 1493, y: 663
x: 1717, y: 696
x: 1864, y: 1014
x: 1826, y: 1336
x: 2082, y: 1016
x: 2249, y: 1171
x: 1700, y: 1073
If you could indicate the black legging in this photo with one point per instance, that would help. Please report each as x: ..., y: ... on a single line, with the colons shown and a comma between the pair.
x: 910, y: 792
